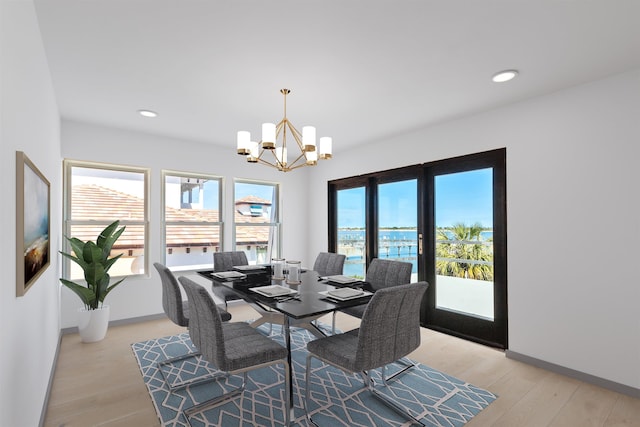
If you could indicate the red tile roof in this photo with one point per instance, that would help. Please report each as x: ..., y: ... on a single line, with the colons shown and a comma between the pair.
x: 253, y: 200
x: 93, y: 202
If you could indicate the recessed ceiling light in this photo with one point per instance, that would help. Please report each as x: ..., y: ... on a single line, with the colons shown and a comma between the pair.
x: 147, y: 113
x: 504, y: 76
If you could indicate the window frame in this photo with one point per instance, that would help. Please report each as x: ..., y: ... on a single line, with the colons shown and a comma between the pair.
x: 68, y: 222
x: 220, y: 223
x: 278, y: 216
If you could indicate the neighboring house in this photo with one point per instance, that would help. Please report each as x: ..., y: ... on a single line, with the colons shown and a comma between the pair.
x: 185, y: 245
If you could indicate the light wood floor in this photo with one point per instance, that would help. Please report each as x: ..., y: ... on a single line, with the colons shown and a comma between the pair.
x: 99, y: 384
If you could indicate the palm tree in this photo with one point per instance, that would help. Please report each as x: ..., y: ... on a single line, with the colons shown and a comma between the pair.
x: 460, y: 244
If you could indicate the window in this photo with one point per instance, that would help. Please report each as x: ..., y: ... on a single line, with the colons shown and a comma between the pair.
x: 351, y: 218
x: 192, y: 223
x: 256, y: 220
x: 96, y: 195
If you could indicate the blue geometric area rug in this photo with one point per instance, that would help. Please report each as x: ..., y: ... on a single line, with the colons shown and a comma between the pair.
x: 337, y: 398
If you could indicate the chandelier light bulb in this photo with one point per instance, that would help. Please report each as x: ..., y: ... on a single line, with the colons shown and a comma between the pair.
x: 325, y: 147
x: 254, y: 152
x: 268, y: 136
x: 309, y: 138
x: 312, y: 157
x: 243, y: 142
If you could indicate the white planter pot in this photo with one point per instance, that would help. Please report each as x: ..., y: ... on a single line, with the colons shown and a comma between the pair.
x: 93, y: 324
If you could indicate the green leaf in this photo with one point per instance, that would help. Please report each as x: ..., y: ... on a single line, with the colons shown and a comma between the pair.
x: 87, y: 296
x: 78, y: 261
x: 102, y: 287
x: 91, y: 253
x: 94, y: 273
x: 108, y: 237
x: 110, y: 288
x: 110, y: 262
x: 77, y: 246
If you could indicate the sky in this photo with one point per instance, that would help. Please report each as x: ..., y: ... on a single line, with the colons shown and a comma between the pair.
x: 264, y: 191
x: 465, y: 197
x: 459, y: 197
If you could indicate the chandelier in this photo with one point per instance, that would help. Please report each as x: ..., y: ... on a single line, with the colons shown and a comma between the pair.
x: 268, y: 152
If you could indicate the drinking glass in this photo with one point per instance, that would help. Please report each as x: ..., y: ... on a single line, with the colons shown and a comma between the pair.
x: 277, y: 267
x: 293, y: 272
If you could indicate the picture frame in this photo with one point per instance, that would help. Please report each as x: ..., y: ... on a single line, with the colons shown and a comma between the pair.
x: 33, y: 223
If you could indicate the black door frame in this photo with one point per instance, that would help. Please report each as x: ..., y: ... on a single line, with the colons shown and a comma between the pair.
x: 493, y: 333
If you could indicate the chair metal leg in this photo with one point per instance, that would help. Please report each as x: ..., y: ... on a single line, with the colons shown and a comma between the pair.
x: 224, y: 398
x: 369, y: 384
x: 408, y: 365
x: 288, y: 392
x: 208, y: 404
x: 179, y: 386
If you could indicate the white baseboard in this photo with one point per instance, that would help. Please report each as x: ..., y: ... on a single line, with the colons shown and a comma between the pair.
x: 74, y: 329
x: 562, y: 370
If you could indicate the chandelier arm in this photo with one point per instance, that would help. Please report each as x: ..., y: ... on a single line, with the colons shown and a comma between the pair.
x: 296, y: 135
x: 284, y: 133
x: 260, y: 158
x: 278, y: 163
x: 298, y: 166
x: 301, y: 156
x: 267, y: 163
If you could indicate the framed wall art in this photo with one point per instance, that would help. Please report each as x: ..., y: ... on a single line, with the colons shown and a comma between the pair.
x: 33, y: 227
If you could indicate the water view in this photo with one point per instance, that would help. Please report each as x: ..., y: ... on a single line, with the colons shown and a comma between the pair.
x: 397, y: 244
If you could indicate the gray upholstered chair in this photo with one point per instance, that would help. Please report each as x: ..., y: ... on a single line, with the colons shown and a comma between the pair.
x: 231, y: 347
x: 177, y: 311
x: 389, y: 331
x: 382, y: 273
x: 225, y: 261
x: 329, y: 264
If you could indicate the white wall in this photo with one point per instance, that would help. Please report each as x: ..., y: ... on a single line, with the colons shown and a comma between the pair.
x: 29, y: 122
x: 141, y: 295
x: 573, y: 216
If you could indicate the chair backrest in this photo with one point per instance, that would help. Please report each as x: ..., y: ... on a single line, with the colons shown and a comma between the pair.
x: 171, y: 296
x: 329, y: 264
x: 224, y: 261
x: 390, y: 326
x: 205, y: 324
x: 383, y: 273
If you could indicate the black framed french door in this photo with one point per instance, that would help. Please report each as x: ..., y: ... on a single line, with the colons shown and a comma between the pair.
x: 448, y: 218
x: 465, y: 247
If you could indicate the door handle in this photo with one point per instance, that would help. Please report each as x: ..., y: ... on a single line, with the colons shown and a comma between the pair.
x: 420, y: 244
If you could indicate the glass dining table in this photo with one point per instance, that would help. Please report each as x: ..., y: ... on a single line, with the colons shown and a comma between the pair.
x: 292, y: 304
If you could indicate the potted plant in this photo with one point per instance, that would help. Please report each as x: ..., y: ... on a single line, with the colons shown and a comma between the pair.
x: 93, y: 258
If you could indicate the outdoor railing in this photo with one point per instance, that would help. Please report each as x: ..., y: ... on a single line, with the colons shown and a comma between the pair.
x: 406, y: 250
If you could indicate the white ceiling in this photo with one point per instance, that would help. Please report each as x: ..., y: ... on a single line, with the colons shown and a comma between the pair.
x: 358, y: 70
